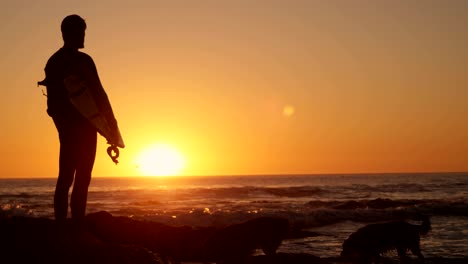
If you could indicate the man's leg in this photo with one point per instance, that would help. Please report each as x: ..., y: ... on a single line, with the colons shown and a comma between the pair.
x: 87, y: 152
x: 67, y: 165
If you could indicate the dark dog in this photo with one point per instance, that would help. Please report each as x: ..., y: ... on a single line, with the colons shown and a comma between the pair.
x: 237, y: 242
x: 366, y: 244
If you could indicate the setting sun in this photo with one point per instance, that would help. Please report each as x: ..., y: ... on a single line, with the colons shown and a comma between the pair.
x: 160, y: 160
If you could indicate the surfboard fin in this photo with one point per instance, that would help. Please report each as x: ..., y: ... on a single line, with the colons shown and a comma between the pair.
x: 43, y: 82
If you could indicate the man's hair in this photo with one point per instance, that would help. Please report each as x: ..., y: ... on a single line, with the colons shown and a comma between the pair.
x: 71, y: 25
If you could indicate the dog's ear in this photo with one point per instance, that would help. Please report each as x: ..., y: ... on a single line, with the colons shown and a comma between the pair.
x: 425, y: 225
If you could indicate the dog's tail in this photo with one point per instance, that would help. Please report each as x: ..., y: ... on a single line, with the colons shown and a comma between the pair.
x: 425, y: 226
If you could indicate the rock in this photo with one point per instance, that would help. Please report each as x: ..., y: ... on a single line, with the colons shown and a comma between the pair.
x: 185, y: 243
x: 238, y: 241
x: 181, y: 243
x: 40, y: 240
x: 284, y: 258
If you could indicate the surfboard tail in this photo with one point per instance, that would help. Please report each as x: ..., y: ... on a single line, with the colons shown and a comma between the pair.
x: 116, y: 140
x: 110, y: 133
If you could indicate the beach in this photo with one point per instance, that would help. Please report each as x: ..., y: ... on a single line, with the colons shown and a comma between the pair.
x: 327, y: 208
x: 124, y: 240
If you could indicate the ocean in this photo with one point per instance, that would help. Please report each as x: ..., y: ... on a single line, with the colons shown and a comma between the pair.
x: 333, y: 206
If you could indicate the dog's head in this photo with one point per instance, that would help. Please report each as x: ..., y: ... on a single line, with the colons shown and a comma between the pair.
x: 358, y: 246
x: 351, y: 249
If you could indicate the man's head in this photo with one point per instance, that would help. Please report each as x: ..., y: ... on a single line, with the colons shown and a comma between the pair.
x: 73, y: 31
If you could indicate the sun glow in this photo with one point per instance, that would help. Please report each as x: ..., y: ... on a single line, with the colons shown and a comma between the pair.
x: 160, y: 160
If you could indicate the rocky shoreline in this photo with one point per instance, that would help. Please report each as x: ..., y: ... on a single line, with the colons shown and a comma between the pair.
x: 122, y: 240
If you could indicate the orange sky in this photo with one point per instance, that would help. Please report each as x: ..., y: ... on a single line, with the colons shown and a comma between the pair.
x: 368, y: 86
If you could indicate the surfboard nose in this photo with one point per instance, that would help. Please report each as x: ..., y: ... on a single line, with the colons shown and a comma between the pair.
x: 43, y: 82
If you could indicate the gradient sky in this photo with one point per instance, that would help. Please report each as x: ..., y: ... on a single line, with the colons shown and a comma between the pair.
x: 251, y: 87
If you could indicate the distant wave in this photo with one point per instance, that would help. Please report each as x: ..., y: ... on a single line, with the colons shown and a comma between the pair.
x: 378, y: 203
x: 313, y: 213
x: 17, y: 195
x: 392, y: 188
x: 300, y: 191
x: 456, y: 206
x: 223, y: 192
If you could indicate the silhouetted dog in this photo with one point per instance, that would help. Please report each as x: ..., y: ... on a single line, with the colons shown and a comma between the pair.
x: 367, y: 243
x: 237, y: 242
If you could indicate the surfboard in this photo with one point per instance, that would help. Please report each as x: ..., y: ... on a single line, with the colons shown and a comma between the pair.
x: 98, y: 112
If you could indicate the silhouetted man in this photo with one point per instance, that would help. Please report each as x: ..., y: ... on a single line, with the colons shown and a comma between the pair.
x: 78, y: 137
